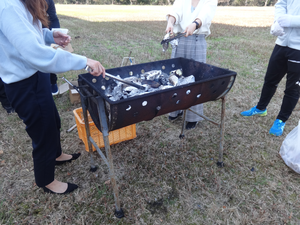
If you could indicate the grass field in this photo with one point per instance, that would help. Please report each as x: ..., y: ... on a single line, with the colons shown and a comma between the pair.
x: 161, y: 179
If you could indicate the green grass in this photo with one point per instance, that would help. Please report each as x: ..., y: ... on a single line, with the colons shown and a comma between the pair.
x: 162, y: 179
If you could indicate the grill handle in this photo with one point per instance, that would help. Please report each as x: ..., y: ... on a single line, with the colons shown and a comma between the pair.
x: 75, y: 87
x: 87, y: 68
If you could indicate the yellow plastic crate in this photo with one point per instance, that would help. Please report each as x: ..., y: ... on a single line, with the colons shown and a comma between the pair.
x: 116, y: 136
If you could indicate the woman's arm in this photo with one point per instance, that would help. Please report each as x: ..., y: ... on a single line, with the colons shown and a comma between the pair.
x: 206, y: 14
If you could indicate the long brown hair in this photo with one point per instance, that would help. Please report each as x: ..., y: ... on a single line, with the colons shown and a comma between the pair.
x: 38, y: 9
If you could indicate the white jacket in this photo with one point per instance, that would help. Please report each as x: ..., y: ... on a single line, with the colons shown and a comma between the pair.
x: 205, y: 11
x: 291, y: 38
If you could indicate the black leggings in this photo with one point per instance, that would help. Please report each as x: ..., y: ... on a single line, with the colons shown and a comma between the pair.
x: 53, y: 78
x: 283, y: 60
x: 32, y: 100
x: 3, y: 98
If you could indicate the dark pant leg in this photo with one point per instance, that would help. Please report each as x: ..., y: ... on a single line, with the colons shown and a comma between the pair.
x: 53, y: 78
x: 3, y: 98
x: 34, y: 104
x: 276, y: 70
x: 292, y: 89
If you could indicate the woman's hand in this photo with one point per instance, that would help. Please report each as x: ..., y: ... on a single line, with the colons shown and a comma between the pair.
x: 61, y: 39
x: 96, y: 69
x: 189, y: 30
x: 170, y: 25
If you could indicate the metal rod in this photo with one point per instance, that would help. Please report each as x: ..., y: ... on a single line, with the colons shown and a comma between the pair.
x: 183, y: 125
x: 104, y: 129
x: 99, y: 151
x: 222, y: 129
x: 125, y: 82
x: 88, y: 133
x: 71, y: 128
x: 205, y: 117
x: 87, y: 68
x: 72, y: 85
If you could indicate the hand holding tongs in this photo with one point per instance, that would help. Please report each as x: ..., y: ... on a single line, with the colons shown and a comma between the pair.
x: 87, y: 68
x: 165, y: 42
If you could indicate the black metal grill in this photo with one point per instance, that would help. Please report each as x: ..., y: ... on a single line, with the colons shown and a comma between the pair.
x: 211, y: 83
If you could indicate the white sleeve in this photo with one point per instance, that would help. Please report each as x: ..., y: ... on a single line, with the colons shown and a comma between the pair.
x: 207, y: 13
x: 176, y: 11
x: 48, y: 36
x: 280, y: 8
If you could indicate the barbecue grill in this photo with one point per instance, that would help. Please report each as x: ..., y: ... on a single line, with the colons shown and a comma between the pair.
x: 211, y: 83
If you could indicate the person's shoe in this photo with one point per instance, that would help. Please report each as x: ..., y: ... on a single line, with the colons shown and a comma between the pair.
x: 71, y: 187
x: 173, y: 118
x: 9, y: 109
x: 54, y: 89
x: 74, y: 157
x: 254, y: 111
x: 277, y: 128
x: 190, y: 125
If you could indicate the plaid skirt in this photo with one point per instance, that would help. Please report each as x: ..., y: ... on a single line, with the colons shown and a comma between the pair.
x: 191, y: 47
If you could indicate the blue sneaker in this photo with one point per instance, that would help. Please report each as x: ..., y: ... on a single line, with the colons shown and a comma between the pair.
x: 277, y: 128
x: 254, y: 111
x: 54, y: 89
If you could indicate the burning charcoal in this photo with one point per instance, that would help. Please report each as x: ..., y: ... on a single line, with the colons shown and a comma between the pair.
x: 152, y: 83
x: 173, y: 80
x: 112, y: 98
x: 151, y: 75
x: 147, y: 86
x: 134, y: 92
x: 163, y: 79
x: 177, y: 72
x: 186, y: 80
x: 129, y: 89
x: 117, y: 92
x: 132, y: 80
x: 163, y: 87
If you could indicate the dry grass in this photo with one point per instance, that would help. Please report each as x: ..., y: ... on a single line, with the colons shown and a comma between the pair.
x: 161, y: 179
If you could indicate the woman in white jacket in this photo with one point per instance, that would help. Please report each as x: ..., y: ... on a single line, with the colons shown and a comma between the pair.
x: 193, y: 18
x: 285, y: 59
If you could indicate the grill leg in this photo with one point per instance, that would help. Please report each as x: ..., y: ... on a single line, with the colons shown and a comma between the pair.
x: 104, y: 127
x: 181, y: 136
x: 222, y: 129
x: 88, y: 134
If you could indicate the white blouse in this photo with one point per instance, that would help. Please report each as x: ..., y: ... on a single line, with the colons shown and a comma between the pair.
x: 205, y: 11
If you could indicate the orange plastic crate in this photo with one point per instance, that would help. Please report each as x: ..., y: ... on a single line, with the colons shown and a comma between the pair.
x: 116, y: 136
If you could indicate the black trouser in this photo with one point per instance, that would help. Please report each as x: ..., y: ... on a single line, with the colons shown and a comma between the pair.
x: 3, y: 98
x: 53, y: 78
x: 284, y: 60
x: 32, y: 100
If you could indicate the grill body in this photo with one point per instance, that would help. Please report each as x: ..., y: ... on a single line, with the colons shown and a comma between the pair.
x: 211, y: 83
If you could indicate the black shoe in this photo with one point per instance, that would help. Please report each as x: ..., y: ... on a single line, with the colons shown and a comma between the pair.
x: 71, y: 187
x: 74, y: 157
x: 173, y: 118
x: 190, y: 125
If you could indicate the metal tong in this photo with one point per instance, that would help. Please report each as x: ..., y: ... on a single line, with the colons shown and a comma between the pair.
x: 87, y: 68
x: 165, y: 42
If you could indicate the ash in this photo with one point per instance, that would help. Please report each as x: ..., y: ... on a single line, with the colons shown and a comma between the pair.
x: 154, y: 80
